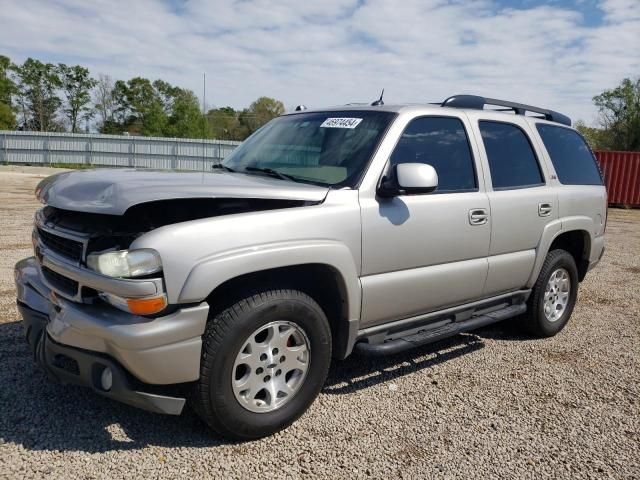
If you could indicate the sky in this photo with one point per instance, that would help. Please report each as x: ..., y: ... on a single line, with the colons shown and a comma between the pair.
x: 556, y: 54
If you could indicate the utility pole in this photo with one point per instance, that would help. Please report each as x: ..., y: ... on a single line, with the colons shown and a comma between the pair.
x: 204, y: 116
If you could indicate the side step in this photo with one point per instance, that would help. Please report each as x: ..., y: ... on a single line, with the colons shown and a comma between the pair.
x: 438, y: 331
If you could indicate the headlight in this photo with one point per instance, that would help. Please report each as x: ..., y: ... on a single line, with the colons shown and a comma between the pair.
x: 126, y: 263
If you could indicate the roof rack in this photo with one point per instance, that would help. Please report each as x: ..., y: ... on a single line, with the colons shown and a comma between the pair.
x: 476, y: 102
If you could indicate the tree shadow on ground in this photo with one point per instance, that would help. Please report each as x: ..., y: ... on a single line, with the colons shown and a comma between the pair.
x: 41, y: 415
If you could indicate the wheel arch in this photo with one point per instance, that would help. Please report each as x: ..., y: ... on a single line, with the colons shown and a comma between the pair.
x: 570, y: 234
x: 326, y: 269
x: 578, y: 244
x: 322, y: 282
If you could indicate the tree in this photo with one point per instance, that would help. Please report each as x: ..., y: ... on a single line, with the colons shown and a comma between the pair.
x: 147, y: 114
x: 157, y: 108
x: 597, y: 138
x: 7, y: 118
x: 185, y: 118
x: 76, y: 84
x: 224, y: 124
x: 138, y: 108
x: 260, y: 112
x: 619, y: 116
x: 121, y: 107
x: 104, y: 102
x: 167, y: 94
x: 47, y: 97
x: 7, y: 87
x: 38, y: 101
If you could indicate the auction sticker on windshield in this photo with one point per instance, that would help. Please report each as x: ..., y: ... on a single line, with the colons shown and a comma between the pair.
x: 341, y: 122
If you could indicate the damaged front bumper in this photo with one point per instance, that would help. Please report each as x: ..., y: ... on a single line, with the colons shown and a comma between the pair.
x: 75, y: 343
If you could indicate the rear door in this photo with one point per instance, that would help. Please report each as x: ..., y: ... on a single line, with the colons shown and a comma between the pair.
x: 523, y: 203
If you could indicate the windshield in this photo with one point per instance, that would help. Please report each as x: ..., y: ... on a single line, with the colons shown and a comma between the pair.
x: 324, y: 148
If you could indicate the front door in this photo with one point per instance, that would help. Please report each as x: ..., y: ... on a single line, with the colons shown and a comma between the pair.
x: 424, y: 252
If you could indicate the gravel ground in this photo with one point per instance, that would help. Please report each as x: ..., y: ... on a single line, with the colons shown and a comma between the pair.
x: 491, y: 404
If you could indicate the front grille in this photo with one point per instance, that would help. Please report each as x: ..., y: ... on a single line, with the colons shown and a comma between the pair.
x: 71, y: 249
x: 60, y: 282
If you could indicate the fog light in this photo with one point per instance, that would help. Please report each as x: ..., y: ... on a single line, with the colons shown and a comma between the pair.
x: 106, y: 379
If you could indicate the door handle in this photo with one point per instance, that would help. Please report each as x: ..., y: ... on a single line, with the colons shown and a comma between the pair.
x: 544, y: 209
x: 478, y: 216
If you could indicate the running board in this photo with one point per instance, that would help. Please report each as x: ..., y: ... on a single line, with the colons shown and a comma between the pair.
x: 438, y: 331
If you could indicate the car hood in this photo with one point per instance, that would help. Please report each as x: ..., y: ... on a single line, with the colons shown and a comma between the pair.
x: 113, y: 191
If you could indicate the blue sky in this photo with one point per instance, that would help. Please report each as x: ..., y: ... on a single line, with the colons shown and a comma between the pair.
x: 553, y: 53
x: 590, y: 10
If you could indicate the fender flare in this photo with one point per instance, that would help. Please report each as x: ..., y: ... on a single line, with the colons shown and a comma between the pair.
x: 552, y: 231
x: 215, y: 270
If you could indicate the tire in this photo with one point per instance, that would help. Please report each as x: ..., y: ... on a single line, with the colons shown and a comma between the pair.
x: 542, y: 322
x: 234, y: 344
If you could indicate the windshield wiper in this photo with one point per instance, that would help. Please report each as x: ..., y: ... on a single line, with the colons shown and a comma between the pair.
x: 271, y: 172
x: 223, y: 167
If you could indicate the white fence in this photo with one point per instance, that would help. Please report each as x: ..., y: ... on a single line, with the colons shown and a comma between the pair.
x: 38, y: 148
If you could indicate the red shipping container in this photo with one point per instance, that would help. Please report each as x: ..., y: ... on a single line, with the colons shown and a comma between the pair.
x: 622, y: 176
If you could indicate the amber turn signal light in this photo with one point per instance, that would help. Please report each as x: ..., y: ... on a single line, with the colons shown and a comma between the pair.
x: 147, y: 306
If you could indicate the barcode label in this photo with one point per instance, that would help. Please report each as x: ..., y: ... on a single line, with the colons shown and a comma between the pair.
x: 341, y: 122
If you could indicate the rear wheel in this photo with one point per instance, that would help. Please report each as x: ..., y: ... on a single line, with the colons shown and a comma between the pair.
x: 554, y: 295
x: 264, y: 361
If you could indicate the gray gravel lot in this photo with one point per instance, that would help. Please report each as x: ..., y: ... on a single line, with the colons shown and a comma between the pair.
x: 484, y: 405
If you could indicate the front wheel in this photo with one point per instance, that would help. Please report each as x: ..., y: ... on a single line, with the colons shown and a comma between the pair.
x: 554, y: 295
x: 264, y: 361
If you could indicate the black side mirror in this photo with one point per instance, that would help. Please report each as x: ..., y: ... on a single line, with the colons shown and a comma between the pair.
x: 388, y: 187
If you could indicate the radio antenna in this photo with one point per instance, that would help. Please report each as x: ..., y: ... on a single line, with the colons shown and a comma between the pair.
x: 379, y: 101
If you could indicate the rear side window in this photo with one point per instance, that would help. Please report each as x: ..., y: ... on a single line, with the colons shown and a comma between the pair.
x: 442, y: 143
x: 512, y: 162
x: 570, y: 155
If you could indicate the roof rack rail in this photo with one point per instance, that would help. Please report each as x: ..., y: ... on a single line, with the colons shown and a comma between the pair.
x: 477, y: 102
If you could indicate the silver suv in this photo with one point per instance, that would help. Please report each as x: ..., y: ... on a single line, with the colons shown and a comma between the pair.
x: 372, y: 228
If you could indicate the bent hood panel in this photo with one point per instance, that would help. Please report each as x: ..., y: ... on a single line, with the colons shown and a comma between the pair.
x: 113, y: 191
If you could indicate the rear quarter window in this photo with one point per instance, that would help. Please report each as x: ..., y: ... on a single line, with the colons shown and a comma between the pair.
x: 512, y: 161
x: 570, y: 155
